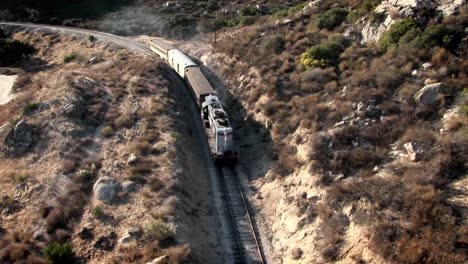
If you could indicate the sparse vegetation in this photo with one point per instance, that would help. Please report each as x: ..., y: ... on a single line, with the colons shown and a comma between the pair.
x: 70, y: 57
x: 59, y: 253
x: 331, y: 18
x: 158, y: 230
x: 324, y: 54
x: 352, y: 107
x: 21, y: 177
x: 30, y: 108
x: 97, y: 212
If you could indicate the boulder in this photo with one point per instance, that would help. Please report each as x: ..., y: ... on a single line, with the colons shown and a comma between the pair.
x: 105, y: 189
x: 21, y: 138
x: 428, y: 95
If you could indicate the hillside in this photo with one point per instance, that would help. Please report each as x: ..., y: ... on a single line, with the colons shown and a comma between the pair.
x: 92, y: 167
x: 352, y: 121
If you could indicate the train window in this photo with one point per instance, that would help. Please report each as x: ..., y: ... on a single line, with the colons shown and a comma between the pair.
x: 216, y: 105
x: 178, y: 70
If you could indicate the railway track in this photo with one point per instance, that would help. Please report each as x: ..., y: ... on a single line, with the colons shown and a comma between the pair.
x: 120, y: 41
x: 241, y: 229
x: 247, y: 248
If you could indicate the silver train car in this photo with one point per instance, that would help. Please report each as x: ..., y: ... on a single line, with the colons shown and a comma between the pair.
x: 215, y: 119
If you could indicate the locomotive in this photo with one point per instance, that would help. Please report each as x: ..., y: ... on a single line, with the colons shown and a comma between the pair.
x: 215, y: 119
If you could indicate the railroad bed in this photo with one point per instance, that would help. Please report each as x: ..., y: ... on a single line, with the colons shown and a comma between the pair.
x: 247, y: 248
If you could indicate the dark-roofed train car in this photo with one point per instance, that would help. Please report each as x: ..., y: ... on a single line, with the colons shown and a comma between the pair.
x: 199, y: 84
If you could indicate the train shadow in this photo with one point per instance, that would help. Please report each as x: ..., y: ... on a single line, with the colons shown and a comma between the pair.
x: 253, y: 138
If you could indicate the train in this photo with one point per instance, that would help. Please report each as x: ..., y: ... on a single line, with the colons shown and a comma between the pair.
x: 214, y: 117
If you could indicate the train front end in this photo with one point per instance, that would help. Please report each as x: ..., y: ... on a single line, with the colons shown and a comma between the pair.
x: 225, y: 147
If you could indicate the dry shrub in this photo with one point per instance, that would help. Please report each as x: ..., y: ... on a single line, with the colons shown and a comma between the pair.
x: 155, y: 184
x: 142, y: 167
x: 134, y: 254
x: 408, y: 90
x: 440, y: 56
x: 455, y: 124
x: 142, y: 147
x: 333, y: 230
x: 124, y: 120
x: 19, y: 247
x: 420, y: 134
x: 69, y: 165
x: 177, y: 254
x: 107, y: 131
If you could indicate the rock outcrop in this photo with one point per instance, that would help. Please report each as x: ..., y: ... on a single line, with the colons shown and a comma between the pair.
x: 395, y: 10
x: 21, y: 138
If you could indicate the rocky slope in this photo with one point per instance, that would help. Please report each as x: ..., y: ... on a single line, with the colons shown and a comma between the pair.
x: 91, y: 160
x: 353, y: 155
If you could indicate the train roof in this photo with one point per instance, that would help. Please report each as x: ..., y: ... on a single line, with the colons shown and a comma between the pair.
x: 160, y: 44
x: 198, y: 81
x: 181, y: 58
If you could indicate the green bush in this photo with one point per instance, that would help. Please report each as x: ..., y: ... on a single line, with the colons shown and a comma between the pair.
x: 324, y: 54
x: 443, y: 36
x: 408, y: 34
x: 247, y: 20
x: 248, y: 11
x: 279, y: 12
x: 70, y: 57
x: 87, y: 173
x: 365, y: 8
x: 30, y: 107
x: 58, y: 253
x: 275, y: 44
x: 331, y: 19
x: 397, y: 31
x: 158, y: 230
x: 212, y: 5
x: 97, y: 212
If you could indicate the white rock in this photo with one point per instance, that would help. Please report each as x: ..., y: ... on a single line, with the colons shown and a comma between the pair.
x: 161, y: 260
x: 427, y: 65
x: 132, y: 159
x: 413, y: 151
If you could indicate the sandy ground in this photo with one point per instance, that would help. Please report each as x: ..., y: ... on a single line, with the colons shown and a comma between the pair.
x: 6, y: 84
